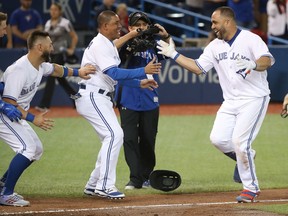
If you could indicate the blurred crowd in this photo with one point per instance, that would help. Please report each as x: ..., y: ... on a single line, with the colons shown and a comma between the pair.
x: 263, y: 17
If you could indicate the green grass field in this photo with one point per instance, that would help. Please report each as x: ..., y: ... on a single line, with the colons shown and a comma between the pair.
x: 183, y: 145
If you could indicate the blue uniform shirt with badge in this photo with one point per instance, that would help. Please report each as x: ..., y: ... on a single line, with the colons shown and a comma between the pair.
x: 139, y: 99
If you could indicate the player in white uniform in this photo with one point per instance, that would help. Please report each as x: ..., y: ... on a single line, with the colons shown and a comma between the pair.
x: 96, y: 106
x: 21, y: 80
x: 241, y: 59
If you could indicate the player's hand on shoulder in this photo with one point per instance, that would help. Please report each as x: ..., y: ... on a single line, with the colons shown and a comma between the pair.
x: 153, y: 67
x: 42, y: 122
x: 86, y: 70
x: 151, y: 84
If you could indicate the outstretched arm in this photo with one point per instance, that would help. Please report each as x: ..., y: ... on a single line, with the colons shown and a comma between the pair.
x: 122, y: 40
x: 83, y: 72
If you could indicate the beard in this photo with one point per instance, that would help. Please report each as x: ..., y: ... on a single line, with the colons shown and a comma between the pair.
x: 222, y: 33
x: 46, y: 56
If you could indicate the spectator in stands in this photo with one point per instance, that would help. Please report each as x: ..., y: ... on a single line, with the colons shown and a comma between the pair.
x: 6, y: 40
x: 277, y: 23
x: 122, y: 12
x: 195, y: 6
x: 23, y: 21
x: 133, y: 3
x: 106, y: 5
x: 62, y: 34
x: 244, y: 13
x: 260, y: 13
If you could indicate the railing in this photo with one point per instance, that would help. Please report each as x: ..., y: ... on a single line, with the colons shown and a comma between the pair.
x: 193, y: 30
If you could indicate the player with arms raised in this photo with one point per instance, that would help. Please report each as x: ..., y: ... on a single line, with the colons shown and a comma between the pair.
x: 241, y: 59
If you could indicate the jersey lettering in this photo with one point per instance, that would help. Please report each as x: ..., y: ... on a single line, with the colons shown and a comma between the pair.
x: 234, y: 56
x: 27, y: 90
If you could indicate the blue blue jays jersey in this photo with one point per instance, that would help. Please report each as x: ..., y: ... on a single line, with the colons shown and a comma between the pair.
x: 134, y: 98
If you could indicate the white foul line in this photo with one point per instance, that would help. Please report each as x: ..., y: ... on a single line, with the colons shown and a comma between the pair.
x: 133, y: 207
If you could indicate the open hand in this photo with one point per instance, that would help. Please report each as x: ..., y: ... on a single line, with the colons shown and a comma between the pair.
x: 42, y: 122
x: 167, y: 49
x: 152, y: 67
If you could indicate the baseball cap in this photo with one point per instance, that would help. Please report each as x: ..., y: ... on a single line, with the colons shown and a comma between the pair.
x: 134, y: 17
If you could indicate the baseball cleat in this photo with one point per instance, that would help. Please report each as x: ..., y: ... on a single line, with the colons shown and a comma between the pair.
x: 247, y: 196
x: 13, y: 200
x: 146, y: 184
x: 89, y: 191
x: 111, y: 193
x: 131, y: 186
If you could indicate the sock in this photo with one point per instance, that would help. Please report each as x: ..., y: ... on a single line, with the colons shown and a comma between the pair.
x: 231, y: 155
x: 17, y: 166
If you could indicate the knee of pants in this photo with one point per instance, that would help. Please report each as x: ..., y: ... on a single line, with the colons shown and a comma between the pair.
x: 221, y: 144
x: 33, y: 151
x: 117, y: 135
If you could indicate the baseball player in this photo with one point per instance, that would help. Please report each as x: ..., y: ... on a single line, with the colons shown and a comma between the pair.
x: 241, y: 59
x: 9, y: 110
x: 95, y: 103
x: 22, y: 79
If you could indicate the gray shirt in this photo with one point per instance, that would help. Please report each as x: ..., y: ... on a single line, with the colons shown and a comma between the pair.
x: 59, y: 34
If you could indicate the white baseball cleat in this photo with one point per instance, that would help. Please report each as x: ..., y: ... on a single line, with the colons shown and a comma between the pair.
x: 111, y: 193
x: 13, y: 200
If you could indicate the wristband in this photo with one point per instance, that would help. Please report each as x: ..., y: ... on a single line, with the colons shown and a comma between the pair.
x: 165, y: 38
x: 175, y: 55
x: 75, y: 72
x: 65, y: 71
x: 30, y: 117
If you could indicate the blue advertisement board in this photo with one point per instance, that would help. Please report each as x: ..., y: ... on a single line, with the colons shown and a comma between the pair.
x: 176, y: 84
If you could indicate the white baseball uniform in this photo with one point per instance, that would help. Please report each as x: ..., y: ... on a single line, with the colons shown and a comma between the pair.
x: 240, y: 116
x: 21, y: 83
x: 96, y: 106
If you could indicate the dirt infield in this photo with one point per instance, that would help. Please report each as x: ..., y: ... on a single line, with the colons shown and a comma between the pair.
x: 162, y: 204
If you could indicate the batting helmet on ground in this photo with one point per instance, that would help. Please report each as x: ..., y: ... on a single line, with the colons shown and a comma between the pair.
x: 165, y: 180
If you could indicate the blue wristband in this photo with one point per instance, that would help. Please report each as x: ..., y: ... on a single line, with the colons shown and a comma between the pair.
x: 30, y: 117
x: 75, y: 72
x: 176, y: 56
x: 65, y: 73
